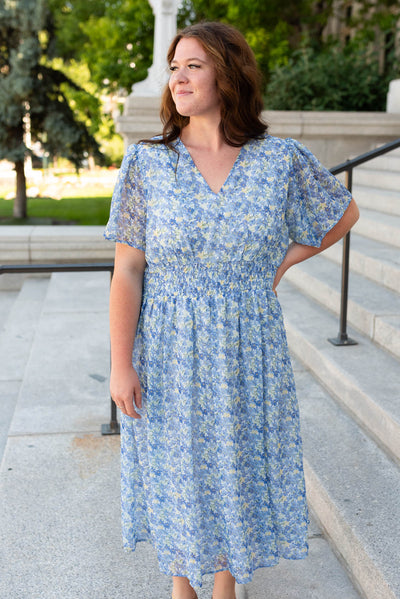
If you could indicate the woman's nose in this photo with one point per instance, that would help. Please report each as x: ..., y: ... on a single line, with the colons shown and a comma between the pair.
x: 181, y: 75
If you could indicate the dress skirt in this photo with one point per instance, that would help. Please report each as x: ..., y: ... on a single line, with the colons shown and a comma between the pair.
x: 212, y: 474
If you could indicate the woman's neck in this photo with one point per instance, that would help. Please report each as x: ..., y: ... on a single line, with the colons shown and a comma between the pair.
x: 203, y: 133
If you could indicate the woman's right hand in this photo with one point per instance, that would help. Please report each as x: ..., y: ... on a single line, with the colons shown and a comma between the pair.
x: 125, y: 391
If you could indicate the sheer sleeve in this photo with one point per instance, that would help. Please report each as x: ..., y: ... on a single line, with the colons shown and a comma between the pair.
x: 127, y: 222
x: 316, y: 200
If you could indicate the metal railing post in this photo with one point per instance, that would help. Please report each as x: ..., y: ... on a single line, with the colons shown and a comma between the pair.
x: 342, y: 337
x: 112, y: 428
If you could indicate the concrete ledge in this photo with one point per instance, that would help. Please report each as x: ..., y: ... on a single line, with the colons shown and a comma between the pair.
x: 338, y: 124
x: 46, y: 244
x: 335, y: 136
x: 14, y: 244
x: 332, y: 136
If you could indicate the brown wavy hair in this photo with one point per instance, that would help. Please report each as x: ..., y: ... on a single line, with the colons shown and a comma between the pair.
x: 238, y: 85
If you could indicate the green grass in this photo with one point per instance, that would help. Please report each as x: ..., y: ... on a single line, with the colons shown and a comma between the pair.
x: 45, y: 211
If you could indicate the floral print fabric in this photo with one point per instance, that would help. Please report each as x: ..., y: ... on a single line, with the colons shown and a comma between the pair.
x: 212, y: 474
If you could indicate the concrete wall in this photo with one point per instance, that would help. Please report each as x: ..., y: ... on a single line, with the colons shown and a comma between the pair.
x: 335, y: 136
x: 332, y: 136
x: 46, y: 244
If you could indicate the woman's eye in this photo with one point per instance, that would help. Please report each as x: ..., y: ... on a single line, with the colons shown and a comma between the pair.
x: 191, y: 66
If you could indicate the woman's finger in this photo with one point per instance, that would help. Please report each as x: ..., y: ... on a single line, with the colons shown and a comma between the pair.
x: 129, y: 410
x: 138, y: 397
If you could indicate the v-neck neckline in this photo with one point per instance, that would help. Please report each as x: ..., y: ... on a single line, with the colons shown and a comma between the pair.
x: 233, y: 168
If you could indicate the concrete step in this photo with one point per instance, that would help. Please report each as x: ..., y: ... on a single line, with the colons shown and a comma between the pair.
x: 57, y: 487
x: 362, y: 378
x: 7, y: 299
x: 65, y: 384
x: 372, y: 309
x: 8, y: 389
x: 353, y: 488
x: 319, y: 576
x: 371, y: 176
x: 375, y: 198
x: 11, y: 282
x: 387, y: 162
x: 376, y: 261
x: 16, y: 338
x: 378, y: 226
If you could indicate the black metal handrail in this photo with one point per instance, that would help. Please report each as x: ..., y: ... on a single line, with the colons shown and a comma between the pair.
x: 111, y: 428
x: 48, y: 268
x: 347, y: 167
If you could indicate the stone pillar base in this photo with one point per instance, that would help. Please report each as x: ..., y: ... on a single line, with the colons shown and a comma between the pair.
x: 393, y: 97
x: 140, y: 119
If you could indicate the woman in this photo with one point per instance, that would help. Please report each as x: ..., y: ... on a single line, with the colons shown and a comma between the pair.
x: 211, y: 451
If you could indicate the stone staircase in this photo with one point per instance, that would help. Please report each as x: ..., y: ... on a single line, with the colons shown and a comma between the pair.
x: 350, y: 396
x: 59, y: 522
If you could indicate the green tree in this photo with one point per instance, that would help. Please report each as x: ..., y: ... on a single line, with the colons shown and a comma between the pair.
x: 322, y: 77
x: 31, y: 91
x: 273, y: 28
x: 324, y: 80
x: 114, y: 39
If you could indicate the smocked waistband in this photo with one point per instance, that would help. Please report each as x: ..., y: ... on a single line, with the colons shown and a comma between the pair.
x: 203, y: 278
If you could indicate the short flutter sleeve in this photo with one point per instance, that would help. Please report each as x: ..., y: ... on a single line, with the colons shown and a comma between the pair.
x: 316, y: 200
x: 127, y: 222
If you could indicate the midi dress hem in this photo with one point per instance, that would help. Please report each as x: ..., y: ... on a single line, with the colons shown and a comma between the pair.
x: 198, y: 583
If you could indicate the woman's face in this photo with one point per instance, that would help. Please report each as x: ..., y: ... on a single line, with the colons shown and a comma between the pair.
x: 192, y: 81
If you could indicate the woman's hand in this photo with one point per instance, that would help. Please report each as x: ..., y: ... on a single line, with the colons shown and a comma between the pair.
x: 125, y: 391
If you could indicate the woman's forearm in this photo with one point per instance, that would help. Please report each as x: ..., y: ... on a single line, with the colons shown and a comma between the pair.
x: 125, y: 302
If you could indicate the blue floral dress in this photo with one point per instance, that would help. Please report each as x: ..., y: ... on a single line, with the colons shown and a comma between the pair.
x: 212, y: 474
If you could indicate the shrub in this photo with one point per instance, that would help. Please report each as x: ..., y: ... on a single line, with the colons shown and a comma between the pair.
x: 333, y: 78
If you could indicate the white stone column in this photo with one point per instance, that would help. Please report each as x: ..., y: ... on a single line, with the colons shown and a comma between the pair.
x: 164, y: 30
x: 141, y: 110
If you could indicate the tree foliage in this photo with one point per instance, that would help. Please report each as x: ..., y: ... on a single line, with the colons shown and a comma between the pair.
x: 322, y: 77
x: 324, y: 80
x: 114, y: 39
x: 272, y: 28
x: 31, y: 89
